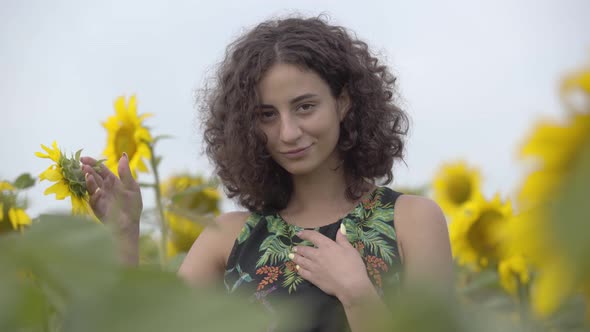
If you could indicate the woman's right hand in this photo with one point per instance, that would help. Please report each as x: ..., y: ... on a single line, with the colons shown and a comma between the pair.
x: 114, y: 200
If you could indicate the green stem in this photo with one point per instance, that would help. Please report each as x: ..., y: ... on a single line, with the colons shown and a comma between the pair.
x: 160, y: 207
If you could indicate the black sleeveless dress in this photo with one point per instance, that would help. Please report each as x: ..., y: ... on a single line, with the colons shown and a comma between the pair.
x: 259, y: 263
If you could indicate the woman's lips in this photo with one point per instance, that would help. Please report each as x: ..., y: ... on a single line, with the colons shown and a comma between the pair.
x: 296, y: 153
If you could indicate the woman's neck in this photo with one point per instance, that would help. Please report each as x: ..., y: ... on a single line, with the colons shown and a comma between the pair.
x: 320, y: 194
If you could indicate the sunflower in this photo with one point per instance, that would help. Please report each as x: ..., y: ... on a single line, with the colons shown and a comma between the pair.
x: 188, y: 198
x: 183, y: 233
x: 68, y: 177
x: 126, y: 133
x: 477, y: 232
x: 555, y: 147
x: 454, y: 185
x: 192, y: 193
x: 12, y: 216
x: 558, y: 149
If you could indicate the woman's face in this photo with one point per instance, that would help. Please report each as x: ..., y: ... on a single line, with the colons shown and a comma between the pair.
x: 300, y: 118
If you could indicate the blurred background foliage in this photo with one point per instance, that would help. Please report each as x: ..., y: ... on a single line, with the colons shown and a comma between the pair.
x: 522, y: 256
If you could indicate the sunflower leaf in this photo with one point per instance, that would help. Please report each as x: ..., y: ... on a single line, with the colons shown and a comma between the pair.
x: 24, y: 181
x: 78, y: 153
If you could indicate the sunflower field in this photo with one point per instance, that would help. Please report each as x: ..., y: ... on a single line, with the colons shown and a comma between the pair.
x: 522, y: 256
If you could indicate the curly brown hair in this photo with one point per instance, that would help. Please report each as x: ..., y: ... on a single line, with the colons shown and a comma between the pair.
x: 371, y: 134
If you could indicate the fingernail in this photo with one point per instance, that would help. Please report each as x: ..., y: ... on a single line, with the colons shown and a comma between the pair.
x: 297, y: 267
x: 342, y: 229
x: 291, y: 256
x: 298, y: 233
x: 125, y: 155
x: 294, y: 249
x: 86, y: 176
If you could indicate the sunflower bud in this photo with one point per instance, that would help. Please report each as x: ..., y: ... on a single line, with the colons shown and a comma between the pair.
x: 73, y: 174
x: 68, y: 177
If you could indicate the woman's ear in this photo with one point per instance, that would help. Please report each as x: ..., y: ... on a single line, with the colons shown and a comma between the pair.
x: 343, y: 103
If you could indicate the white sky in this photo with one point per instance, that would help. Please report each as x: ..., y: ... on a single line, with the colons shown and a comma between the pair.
x: 473, y: 74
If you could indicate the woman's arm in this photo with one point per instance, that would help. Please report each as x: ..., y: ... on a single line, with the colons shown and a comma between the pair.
x: 205, y: 262
x: 423, y: 240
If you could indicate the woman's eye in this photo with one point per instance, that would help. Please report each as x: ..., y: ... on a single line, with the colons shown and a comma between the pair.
x: 265, y: 115
x: 306, y: 107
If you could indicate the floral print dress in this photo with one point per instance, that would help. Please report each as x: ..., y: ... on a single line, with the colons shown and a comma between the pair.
x: 259, y: 263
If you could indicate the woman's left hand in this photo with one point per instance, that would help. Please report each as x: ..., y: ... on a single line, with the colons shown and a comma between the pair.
x: 335, y: 267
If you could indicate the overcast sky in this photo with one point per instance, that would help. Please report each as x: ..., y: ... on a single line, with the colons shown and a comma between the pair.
x: 473, y: 75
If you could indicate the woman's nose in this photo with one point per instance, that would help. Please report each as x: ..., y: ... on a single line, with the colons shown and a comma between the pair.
x: 290, y: 129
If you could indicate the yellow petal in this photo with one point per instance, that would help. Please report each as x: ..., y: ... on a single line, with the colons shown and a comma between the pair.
x: 145, y: 116
x: 120, y: 108
x: 142, y: 134
x: 140, y: 166
x: 79, y: 206
x: 60, y: 190
x: 52, y: 153
x: 132, y: 106
x: 42, y: 155
x: 6, y: 186
x: 52, y: 174
x: 18, y: 218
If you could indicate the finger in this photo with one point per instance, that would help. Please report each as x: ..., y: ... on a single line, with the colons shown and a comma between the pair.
x: 88, y: 161
x: 304, y: 262
x: 308, y: 252
x: 91, y: 184
x: 125, y: 172
x: 315, y: 237
x: 90, y: 171
x: 102, y: 169
x: 94, y: 192
x: 341, y: 238
x: 305, y: 274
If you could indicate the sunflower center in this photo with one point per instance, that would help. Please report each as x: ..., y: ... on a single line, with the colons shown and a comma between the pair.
x: 459, y: 189
x: 482, y: 234
x: 125, y: 141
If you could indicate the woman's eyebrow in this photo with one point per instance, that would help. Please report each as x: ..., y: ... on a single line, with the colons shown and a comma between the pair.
x: 302, y: 97
x: 292, y: 101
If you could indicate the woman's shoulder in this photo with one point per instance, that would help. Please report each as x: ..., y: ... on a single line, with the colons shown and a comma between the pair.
x: 423, y: 238
x: 416, y: 204
x: 233, y: 219
x: 414, y: 209
x: 228, y: 226
x: 419, y: 220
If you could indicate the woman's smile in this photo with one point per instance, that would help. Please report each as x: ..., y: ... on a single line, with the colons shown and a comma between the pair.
x: 297, y: 153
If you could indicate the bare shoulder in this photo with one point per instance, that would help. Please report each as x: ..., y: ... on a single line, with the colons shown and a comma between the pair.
x: 232, y: 222
x: 412, y: 209
x: 206, y: 260
x: 420, y: 225
x: 225, y: 230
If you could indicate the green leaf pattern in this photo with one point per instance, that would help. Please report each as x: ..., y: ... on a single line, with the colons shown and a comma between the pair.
x: 371, y: 224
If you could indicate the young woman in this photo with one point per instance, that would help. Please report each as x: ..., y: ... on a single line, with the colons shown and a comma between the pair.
x: 301, y: 124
